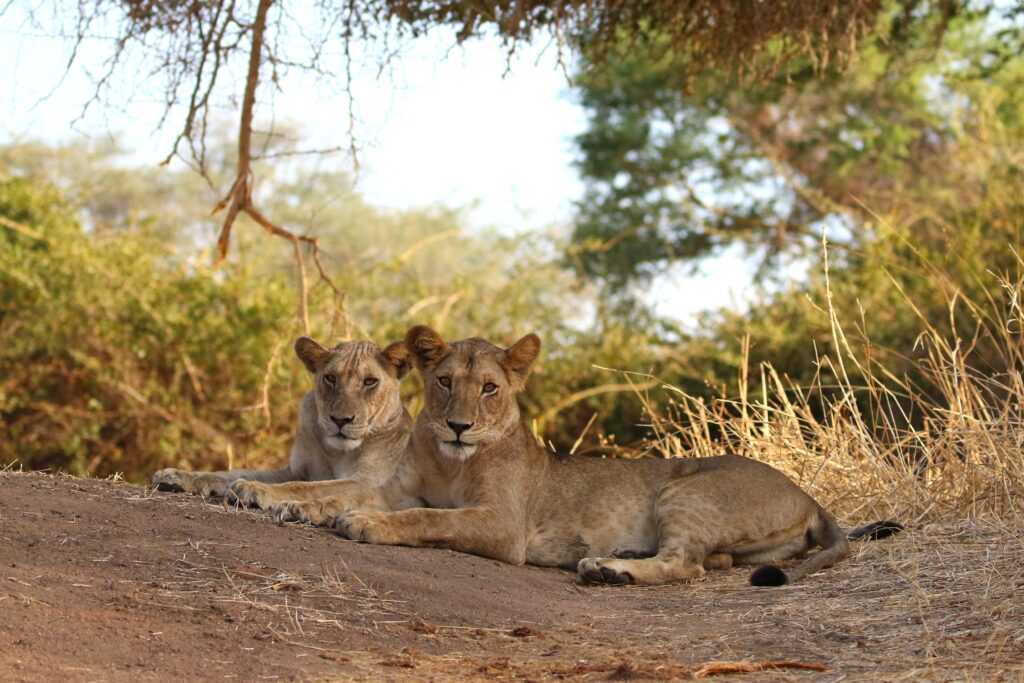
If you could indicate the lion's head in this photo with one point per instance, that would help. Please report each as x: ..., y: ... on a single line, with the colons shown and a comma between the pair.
x: 470, y: 387
x: 356, y: 387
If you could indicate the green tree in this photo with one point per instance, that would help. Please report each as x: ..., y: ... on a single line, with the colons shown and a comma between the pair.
x: 911, y: 160
x: 678, y: 166
x: 123, y: 350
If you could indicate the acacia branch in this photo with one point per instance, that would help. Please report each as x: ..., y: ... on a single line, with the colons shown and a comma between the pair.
x: 239, y: 197
x: 190, y: 42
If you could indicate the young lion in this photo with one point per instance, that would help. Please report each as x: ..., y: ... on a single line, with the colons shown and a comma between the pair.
x: 352, y: 425
x: 492, y: 490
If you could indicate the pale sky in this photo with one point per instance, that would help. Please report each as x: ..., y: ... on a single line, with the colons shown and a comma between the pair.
x: 446, y: 126
x: 442, y: 126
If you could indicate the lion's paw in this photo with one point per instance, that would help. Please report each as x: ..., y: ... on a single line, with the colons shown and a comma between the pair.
x: 252, y: 493
x: 300, y: 511
x: 603, y: 570
x: 169, y: 479
x: 198, y: 483
x: 364, y: 527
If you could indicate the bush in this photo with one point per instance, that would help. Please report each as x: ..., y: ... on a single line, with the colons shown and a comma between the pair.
x: 116, y: 357
x: 124, y: 352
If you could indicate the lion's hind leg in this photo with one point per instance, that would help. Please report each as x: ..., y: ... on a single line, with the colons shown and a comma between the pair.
x: 687, y: 544
x: 680, y: 557
x: 665, y: 567
x: 718, y: 561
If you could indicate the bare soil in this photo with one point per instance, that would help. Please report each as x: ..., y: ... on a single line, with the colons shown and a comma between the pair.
x: 102, y: 580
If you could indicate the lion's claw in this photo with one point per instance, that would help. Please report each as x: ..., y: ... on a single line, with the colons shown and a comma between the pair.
x: 293, y: 511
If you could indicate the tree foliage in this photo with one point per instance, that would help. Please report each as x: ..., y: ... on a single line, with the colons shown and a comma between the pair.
x: 677, y: 167
x: 121, y: 350
x: 192, y: 48
x: 193, y: 45
x: 910, y: 162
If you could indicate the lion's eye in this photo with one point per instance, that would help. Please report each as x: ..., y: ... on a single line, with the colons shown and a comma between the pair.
x: 490, y: 388
x: 330, y: 381
x: 370, y: 382
x: 445, y: 382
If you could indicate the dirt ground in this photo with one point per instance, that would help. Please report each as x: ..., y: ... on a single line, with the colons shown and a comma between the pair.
x: 102, y: 580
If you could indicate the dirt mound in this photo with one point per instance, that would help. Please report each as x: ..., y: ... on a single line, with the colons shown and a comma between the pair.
x: 102, y: 580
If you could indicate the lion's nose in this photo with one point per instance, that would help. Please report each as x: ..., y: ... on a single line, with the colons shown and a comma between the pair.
x: 459, y: 427
x: 342, y: 421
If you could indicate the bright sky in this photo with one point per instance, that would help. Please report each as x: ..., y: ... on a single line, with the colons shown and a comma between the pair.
x: 447, y: 126
x: 443, y: 125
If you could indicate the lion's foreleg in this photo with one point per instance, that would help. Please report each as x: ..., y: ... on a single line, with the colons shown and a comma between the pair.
x: 214, y: 483
x: 479, y: 531
x: 323, y: 506
x: 278, y: 476
x: 312, y: 491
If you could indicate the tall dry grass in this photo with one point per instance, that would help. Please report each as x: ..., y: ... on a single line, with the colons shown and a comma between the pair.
x: 882, y: 446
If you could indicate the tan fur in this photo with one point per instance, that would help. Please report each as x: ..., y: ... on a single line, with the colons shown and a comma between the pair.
x: 350, y: 429
x: 494, y: 491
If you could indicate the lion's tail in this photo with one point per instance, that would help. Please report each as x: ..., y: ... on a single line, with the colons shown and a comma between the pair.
x: 834, y: 544
x: 874, y: 531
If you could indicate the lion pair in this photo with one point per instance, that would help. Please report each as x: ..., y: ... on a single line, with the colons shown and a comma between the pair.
x: 468, y: 475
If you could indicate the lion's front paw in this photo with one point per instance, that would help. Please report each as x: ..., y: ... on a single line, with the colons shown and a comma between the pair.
x: 252, y: 493
x: 199, y: 483
x: 603, y: 570
x: 300, y: 511
x: 365, y: 527
x: 169, y: 479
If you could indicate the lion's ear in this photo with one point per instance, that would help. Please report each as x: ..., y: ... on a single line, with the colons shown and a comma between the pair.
x: 426, y: 346
x: 397, y: 354
x: 312, y: 353
x: 519, y: 358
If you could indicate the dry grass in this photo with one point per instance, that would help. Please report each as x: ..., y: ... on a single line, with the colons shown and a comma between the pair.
x: 959, y: 457
x: 297, y: 603
x: 938, y: 604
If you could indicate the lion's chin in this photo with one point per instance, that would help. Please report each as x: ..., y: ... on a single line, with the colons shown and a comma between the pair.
x: 341, y: 443
x: 457, y: 451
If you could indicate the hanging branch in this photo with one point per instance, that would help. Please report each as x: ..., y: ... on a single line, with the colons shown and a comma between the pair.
x: 239, y: 197
x: 189, y: 44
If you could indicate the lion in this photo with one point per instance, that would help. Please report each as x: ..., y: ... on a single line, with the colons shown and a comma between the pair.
x: 352, y: 426
x: 476, y: 480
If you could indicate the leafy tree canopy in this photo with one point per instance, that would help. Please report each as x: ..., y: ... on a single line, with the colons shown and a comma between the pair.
x: 197, y: 52
x: 191, y: 45
x: 929, y: 114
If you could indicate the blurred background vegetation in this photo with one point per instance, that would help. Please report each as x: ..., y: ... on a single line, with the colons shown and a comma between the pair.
x: 124, y: 350
x: 911, y: 161
x: 121, y: 350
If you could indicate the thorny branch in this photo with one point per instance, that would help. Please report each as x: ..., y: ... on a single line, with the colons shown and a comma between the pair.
x: 190, y: 45
x: 239, y: 197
